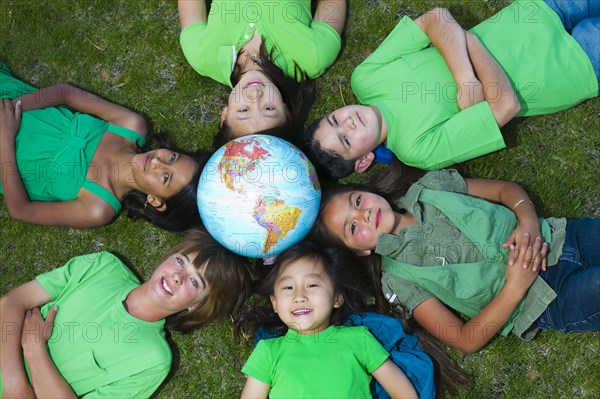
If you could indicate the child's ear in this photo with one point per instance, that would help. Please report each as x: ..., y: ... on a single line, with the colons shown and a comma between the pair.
x: 223, y: 116
x: 273, y: 302
x: 156, y: 203
x: 363, y: 163
x: 339, y: 301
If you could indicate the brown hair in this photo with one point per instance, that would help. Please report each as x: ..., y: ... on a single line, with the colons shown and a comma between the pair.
x: 227, y: 276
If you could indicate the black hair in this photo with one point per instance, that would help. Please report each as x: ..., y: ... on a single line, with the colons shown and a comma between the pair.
x: 329, y: 165
x: 181, y: 213
x: 348, y: 275
x: 297, y: 92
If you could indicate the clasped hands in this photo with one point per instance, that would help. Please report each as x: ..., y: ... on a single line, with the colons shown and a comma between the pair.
x: 527, y: 247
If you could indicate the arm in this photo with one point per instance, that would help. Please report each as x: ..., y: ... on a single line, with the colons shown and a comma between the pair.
x: 394, y: 381
x: 191, y: 11
x: 45, y: 378
x: 510, y: 194
x: 449, y: 38
x: 84, y: 102
x: 499, y: 92
x: 13, y: 307
x: 86, y: 211
x: 255, y: 389
x: 469, y: 337
x: 332, y: 12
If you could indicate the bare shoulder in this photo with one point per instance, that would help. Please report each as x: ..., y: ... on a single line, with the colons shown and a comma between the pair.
x: 133, y: 121
x: 97, y: 211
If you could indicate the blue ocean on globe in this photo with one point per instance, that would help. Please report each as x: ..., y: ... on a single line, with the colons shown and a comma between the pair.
x: 258, y: 195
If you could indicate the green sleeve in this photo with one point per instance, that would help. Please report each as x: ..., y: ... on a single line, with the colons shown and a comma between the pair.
x: 405, y: 38
x: 444, y: 180
x: 468, y: 134
x: 190, y: 37
x: 326, y: 45
x: 205, y: 56
x: 375, y: 353
x: 259, y: 363
x: 141, y: 385
x: 55, y: 281
x: 403, y: 293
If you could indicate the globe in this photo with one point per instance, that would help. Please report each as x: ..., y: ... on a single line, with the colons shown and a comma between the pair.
x: 258, y: 195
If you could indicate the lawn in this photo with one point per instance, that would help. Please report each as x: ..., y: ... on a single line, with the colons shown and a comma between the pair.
x: 128, y: 52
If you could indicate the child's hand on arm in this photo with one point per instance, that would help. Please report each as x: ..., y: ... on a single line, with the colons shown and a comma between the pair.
x: 498, y: 92
x: 13, y: 307
x: 45, y: 378
x: 451, y: 41
x: 255, y: 389
x: 10, y: 120
x: 36, y: 332
x: 394, y: 381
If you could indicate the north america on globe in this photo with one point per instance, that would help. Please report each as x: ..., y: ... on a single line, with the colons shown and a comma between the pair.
x: 239, y: 160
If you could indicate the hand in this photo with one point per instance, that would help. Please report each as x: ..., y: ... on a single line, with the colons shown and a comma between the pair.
x: 470, y: 92
x: 10, y: 119
x: 520, y: 278
x: 37, y: 331
x: 520, y: 243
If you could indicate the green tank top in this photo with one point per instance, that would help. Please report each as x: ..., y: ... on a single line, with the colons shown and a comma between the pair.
x: 55, y: 147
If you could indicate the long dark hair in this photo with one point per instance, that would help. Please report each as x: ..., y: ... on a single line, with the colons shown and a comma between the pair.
x: 181, y: 213
x: 297, y: 92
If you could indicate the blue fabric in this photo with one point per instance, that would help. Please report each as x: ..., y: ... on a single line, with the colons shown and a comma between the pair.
x: 383, y: 154
x: 581, y: 18
x: 403, y: 348
x: 576, y: 281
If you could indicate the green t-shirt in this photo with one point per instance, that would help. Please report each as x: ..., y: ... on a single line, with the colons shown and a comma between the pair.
x: 287, y: 27
x: 412, y: 85
x: 98, y: 347
x: 454, y: 252
x: 335, y: 363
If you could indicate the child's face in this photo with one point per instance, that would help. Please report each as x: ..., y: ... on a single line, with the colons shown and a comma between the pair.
x: 255, y: 104
x: 304, y: 296
x: 176, y: 284
x: 162, y: 173
x: 352, y: 131
x: 358, y: 218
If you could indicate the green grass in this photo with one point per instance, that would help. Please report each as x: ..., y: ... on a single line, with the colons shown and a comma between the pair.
x: 128, y: 52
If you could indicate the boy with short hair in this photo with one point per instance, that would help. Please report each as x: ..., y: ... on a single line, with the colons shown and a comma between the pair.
x: 437, y: 106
